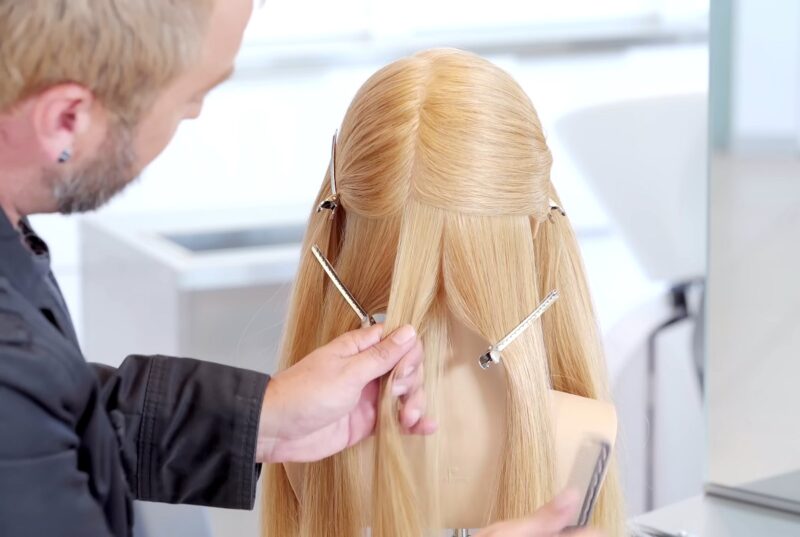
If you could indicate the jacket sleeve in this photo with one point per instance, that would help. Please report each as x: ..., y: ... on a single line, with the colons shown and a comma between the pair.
x: 39, y: 447
x: 188, y: 429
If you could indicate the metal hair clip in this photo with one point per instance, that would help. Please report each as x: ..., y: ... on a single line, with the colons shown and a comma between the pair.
x: 366, y: 318
x: 493, y: 355
x: 331, y: 203
x: 555, y: 207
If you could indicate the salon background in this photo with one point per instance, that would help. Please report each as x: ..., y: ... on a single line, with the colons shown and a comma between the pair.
x: 217, y: 218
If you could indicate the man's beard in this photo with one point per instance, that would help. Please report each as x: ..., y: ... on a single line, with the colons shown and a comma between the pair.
x: 96, y: 182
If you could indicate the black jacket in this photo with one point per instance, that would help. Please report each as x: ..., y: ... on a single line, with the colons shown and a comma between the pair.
x: 78, y: 442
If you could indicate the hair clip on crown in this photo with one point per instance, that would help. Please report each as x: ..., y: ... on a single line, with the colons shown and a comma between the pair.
x: 331, y: 203
x: 555, y: 207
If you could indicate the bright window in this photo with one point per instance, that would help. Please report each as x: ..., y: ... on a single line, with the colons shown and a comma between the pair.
x: 308, y: 21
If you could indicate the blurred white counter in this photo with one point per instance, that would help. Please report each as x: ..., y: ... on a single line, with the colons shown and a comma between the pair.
x: 211, y: 285
x: 707, y: 516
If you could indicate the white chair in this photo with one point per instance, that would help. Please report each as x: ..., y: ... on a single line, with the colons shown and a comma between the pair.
x: 646, y: 161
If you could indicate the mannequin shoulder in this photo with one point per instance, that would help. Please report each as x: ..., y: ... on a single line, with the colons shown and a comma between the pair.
x: 579, y: 417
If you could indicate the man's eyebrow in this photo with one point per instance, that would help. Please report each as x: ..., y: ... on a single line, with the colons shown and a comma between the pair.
x: 219, y: 80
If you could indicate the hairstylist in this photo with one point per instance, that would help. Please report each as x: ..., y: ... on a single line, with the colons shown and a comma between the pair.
x: 90, y: 93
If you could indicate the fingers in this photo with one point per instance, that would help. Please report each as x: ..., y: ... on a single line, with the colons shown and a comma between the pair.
x: 550, y: 520
x: 356, y: 341
x: 414, y: 404
x: 413, y: 407
x: 409, y: 374
x: 405, y: 372
x: 425, y: 426
x: 408, y: 385
x: 556, y: 515
x: 369, y: 358
x: 381, y: 357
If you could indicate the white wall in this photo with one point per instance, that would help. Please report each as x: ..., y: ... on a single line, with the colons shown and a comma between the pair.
x: 766, y: 73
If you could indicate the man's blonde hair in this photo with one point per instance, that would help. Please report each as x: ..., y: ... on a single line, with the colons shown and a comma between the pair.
x: 124, y: 51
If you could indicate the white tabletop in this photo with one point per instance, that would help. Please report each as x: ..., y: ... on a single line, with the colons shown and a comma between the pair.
x: 707, y: 516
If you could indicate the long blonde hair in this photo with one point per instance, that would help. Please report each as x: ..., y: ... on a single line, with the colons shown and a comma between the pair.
x: 444, y: 178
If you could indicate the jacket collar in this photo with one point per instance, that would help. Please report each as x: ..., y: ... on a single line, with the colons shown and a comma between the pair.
x: 24, y: 257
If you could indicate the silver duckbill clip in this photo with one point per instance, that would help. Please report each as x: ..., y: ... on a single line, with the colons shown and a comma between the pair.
x: 331, y: 203
x: 365, y: 318
x: 493, y: 355
x: 555, y: 207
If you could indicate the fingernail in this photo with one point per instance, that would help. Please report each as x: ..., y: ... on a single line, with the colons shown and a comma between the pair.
x: 399, y: 389
x: 404, y: 334
x: 413, y: 417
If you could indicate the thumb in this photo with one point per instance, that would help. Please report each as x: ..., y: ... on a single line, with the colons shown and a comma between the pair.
x: 380, y: 358
x: 560, y: 512
x: 550, y: 519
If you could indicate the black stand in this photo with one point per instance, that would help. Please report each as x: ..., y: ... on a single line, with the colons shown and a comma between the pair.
x: 680, y: 312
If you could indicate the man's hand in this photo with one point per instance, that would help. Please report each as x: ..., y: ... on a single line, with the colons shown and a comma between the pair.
x: 328, y: 400
x: 550, y: 521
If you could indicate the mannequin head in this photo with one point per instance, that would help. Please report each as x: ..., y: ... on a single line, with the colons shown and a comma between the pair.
x: 443, y: 174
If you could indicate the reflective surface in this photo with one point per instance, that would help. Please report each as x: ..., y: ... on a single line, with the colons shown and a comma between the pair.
x: 753, y: 382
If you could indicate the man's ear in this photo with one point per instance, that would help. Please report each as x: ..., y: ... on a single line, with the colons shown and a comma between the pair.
x: 60, y: 114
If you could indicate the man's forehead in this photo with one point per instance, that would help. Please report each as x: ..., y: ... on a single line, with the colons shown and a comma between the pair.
x: 228, y: 21
x: 224, y: 37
